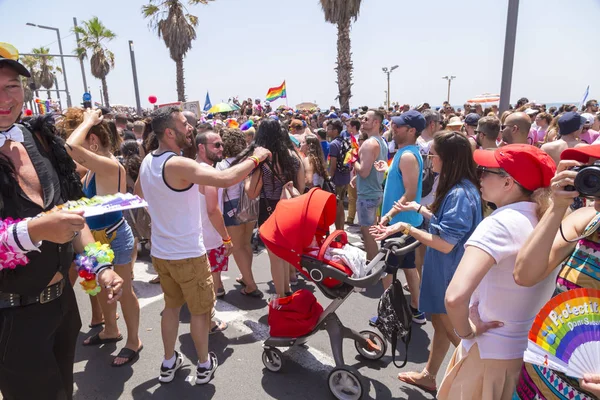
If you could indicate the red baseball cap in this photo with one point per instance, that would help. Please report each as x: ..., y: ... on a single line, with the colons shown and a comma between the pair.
x: 529, y: 166
x: 581, y: 154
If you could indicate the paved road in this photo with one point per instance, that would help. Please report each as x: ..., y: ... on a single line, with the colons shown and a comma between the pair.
x: 241, y: 373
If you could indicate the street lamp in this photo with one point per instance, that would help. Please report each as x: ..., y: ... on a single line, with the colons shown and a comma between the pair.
x: 388, y: 72
x: 449, y: 79
x: 62, y: 61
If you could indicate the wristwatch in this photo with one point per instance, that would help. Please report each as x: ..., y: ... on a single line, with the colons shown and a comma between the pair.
x: 406, y: 229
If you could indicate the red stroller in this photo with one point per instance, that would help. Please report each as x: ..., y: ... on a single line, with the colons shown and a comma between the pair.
x: 289, y: 232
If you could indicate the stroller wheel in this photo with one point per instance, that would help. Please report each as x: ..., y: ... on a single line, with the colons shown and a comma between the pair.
x: 345, y: 383
x: 377, y: 346
x: 272, y: 358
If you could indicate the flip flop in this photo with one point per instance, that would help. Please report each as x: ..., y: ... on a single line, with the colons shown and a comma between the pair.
x: 240, y: 281
x: 403, y: 377
x: 92, y: 326
x: 220, y: 292
x: 219, y: 327
x: 96, y: 340
x: 129, y: 354
x: 255, y: 293
x: 155, y: 280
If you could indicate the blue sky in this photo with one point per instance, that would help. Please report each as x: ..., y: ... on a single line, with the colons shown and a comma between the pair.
x: 244, y: 47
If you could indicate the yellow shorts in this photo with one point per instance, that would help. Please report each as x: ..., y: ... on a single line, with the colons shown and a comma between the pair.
x: 186, y: 281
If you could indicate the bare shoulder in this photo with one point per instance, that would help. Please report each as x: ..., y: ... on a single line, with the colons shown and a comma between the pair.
x: 579, y: 219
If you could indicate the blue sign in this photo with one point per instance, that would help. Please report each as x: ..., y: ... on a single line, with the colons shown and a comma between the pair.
x: 87, y: 97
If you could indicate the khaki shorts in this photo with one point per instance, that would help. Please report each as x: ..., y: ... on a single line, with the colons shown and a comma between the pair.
x: 186, y: 281
x: 340, y: 192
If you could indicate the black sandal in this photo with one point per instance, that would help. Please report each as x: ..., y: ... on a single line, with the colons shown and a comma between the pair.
x: 97, y: 340
x: 255, y: 293
x: 128, y: 354
x: 99, y: 324
x: 240, y: 281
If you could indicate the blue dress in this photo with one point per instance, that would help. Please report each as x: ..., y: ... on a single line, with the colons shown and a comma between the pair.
x: 454, y: 222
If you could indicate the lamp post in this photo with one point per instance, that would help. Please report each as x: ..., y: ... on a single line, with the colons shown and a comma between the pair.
x: 388, y: 72
x: 449, y: 79
x: 135, y: 79
x: 386, y: 98
x: 62, y: 61
x: 85, y: 86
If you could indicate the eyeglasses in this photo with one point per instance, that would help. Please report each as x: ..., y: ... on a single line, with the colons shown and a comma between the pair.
x: 217, y: 145
x: 483, y: 171
x: 432, y: 155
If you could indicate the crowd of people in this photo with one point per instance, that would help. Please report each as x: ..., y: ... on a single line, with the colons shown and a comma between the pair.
x: 486, y: 194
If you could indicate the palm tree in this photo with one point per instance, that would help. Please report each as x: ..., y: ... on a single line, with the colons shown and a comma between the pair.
x: 44, y: 75
x: 92, y: 34
x: 171, y: 20
x: 341, y: 13
x: 32, y: 64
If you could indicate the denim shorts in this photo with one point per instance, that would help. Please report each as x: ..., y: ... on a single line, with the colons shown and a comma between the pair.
x: 229, y: 211
x: 367, y: 210
x: 404, y: 262
x: 122, y: 244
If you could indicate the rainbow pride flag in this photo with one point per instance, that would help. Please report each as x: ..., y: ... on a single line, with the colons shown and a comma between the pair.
x: 276, y: 93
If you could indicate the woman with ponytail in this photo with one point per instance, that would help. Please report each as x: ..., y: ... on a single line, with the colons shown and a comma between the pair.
x: 488, y: 310
x: 91, y: 142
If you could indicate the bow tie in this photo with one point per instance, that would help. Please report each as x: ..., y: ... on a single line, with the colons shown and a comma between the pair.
x: 14, y: 133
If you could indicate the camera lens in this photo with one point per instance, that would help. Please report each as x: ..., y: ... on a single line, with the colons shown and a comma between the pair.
x: 587, y: 182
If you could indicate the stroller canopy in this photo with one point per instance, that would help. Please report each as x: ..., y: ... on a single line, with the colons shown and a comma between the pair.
x: 296, y: 222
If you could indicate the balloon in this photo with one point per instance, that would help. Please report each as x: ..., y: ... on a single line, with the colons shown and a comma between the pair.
x: 152, y: 99
x: 28, y: 112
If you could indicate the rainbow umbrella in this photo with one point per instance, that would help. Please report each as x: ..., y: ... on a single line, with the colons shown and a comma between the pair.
x: 222, y: 108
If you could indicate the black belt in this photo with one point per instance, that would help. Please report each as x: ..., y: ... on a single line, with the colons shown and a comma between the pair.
x: 52, y: 292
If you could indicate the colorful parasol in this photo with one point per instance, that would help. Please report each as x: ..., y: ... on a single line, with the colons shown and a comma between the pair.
x: 222, y: 108
x: 485, y: 98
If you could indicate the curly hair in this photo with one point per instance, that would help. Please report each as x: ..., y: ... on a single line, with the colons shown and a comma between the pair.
x: 130, y: 152
x: 315, y: 155
x: 234, y: 142
x: 107, y: 134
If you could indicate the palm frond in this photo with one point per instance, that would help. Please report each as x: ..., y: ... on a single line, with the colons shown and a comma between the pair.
x: 340, y: 10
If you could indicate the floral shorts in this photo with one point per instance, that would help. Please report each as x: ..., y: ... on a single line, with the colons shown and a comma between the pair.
x: 219, y: 262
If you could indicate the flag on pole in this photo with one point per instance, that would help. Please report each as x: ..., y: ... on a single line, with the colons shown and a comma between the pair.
x: 276, y: 93
x: 585, y: 96
x: 207, y: 103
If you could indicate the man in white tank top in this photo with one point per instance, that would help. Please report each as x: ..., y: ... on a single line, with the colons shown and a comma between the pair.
x: 169, y: 183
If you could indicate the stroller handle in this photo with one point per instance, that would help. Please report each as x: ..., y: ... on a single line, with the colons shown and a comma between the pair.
x: 398, y: 247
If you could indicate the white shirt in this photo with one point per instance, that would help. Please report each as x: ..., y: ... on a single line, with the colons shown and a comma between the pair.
x: 502, y: 235
x: 212, y: 239
x: 175, y: 214
x: 233, y: 192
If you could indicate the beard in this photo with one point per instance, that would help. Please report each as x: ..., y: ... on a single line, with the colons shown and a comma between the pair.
x: 215, y: 158
x: 181, y: 139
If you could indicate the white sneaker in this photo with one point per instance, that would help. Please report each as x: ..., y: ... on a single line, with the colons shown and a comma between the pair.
x: 204, y: 375
x: 168, y: 374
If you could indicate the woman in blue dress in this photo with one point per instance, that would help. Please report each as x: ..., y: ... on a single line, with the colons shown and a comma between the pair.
x: 454, y: 215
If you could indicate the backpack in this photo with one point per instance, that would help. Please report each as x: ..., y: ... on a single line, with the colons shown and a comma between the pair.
x: 394, y: 318
x: 345, y: 148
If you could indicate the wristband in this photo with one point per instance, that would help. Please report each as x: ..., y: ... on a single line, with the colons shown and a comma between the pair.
x: 227, y: 240
x: 95, y: 258
x: 469, y: 336
x: 255, y: 159
x: 419, y: 210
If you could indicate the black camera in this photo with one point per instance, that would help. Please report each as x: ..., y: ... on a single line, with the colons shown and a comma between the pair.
x: 587, y: 180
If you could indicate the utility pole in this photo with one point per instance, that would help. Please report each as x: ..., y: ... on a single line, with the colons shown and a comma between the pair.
x: 509, y: 54
x: 449, y: 79
x: 388, y: 73
x: 85, y: 86
x: 62, y: 59
x: 135, y: 80
x: 101, y: 95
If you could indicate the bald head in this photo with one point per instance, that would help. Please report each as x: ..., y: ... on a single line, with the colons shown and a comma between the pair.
x: 191, y: 118
x: 516, y: 128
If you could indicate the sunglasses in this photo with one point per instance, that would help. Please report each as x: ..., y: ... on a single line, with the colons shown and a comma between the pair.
x: 217, y: 145
x: 483, y: 171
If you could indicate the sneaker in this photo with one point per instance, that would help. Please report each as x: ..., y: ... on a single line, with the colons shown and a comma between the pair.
x: 167, y: 374
x: 204, y: 375
x: 418, y: 316
x: 373, y: 321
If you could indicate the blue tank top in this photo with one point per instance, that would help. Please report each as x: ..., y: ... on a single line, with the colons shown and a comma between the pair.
x: 100, y: 221
x: 370, y: 187
x: 394, y: 188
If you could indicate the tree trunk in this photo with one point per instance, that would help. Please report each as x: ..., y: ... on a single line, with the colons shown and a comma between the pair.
x: 49, y: 95
x: 344, y: 65
x: 180, y: 80
x: 105, y: 90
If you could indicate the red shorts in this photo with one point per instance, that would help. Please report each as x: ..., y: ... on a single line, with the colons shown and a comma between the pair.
x: 219, y: 262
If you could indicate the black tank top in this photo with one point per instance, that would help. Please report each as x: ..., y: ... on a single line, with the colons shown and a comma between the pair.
x: 32, y: 278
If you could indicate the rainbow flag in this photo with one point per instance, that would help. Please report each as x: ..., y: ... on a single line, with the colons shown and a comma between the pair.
x: 276, y: 93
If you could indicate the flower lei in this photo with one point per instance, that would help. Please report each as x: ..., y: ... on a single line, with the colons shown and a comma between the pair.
x: 9, y: 257
x: 95, y: 255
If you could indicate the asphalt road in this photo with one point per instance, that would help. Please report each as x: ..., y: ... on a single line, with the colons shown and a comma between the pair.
x: 241, y: 373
